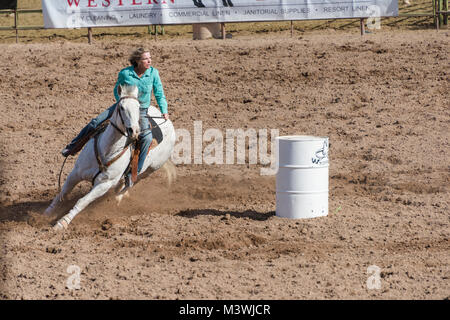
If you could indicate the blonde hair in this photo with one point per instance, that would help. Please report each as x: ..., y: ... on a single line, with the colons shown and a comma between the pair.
x: 136, y: 56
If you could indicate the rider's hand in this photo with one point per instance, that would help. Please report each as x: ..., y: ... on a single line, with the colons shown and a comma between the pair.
x: 166, y: 116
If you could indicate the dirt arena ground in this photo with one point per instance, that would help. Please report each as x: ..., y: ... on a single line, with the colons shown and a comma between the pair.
x: 382, y: 99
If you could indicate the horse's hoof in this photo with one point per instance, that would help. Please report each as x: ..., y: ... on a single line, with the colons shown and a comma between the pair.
x: 60, y: 225
x: 119, y: 198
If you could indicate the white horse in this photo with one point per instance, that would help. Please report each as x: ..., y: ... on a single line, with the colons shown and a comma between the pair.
x: 114, y: 146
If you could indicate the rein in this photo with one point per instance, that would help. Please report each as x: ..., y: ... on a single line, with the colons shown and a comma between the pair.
x: 103, y: 167
x: 120, y: 115
x: 59, y: 177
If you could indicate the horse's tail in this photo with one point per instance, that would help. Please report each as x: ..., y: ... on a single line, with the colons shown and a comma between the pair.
x: 171, y: 171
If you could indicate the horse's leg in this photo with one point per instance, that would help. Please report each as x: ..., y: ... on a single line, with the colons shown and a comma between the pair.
x: 72, y: 180
x: 96, y: 192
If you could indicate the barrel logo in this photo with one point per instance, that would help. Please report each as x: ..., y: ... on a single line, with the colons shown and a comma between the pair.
x: 321, y: 155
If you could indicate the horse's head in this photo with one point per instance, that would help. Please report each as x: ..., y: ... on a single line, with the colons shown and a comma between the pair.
x: 127, y: 111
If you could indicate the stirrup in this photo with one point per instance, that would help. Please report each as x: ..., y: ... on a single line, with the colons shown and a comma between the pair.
x: 128, y: 181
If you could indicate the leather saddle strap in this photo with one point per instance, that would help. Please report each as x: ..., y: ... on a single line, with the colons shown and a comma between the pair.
x: 103, y: 167
x: 134, y: 162
x: 110, y: 162
x: 153, y: 145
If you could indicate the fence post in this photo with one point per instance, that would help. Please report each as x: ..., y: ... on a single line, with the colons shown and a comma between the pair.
x: 440, y: 9
x: 155, y: 30
x: 361, y: 25
x: 292, y: 28
x: 15, y: 25
x: 222, y: 27
x: 435, y: 11
x: 437, y: 14
x: 89, y: 35
x: 445, y: 7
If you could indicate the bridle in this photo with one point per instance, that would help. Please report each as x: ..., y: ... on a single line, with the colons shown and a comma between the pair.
x: 121, y: 117
x: 131, y: 141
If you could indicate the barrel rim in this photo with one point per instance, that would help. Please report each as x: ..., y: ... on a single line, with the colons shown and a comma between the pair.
x: 300, y: 166
x: 301, y: 138
x: 327, y: 191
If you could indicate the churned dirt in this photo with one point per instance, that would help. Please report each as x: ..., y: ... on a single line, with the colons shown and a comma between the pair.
x: 382, y: 100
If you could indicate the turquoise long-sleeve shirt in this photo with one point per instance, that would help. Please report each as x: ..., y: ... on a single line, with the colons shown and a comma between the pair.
x: 150, y: 81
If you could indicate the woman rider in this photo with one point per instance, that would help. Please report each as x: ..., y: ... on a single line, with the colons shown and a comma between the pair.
x: 146, y: 78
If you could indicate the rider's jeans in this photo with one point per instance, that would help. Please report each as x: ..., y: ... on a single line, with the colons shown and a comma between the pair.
x: 145, y: 137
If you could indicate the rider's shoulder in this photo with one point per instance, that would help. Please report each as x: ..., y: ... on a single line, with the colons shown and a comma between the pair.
x: 153, y: 70
x: 126, y: 70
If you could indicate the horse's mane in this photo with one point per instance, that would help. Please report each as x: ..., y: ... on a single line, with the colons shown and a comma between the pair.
x: 128, y: 91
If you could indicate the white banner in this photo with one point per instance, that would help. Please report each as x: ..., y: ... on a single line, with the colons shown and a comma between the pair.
x: 105, y: 13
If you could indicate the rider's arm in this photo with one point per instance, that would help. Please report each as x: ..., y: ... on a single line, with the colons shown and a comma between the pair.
x: 158, y: 91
